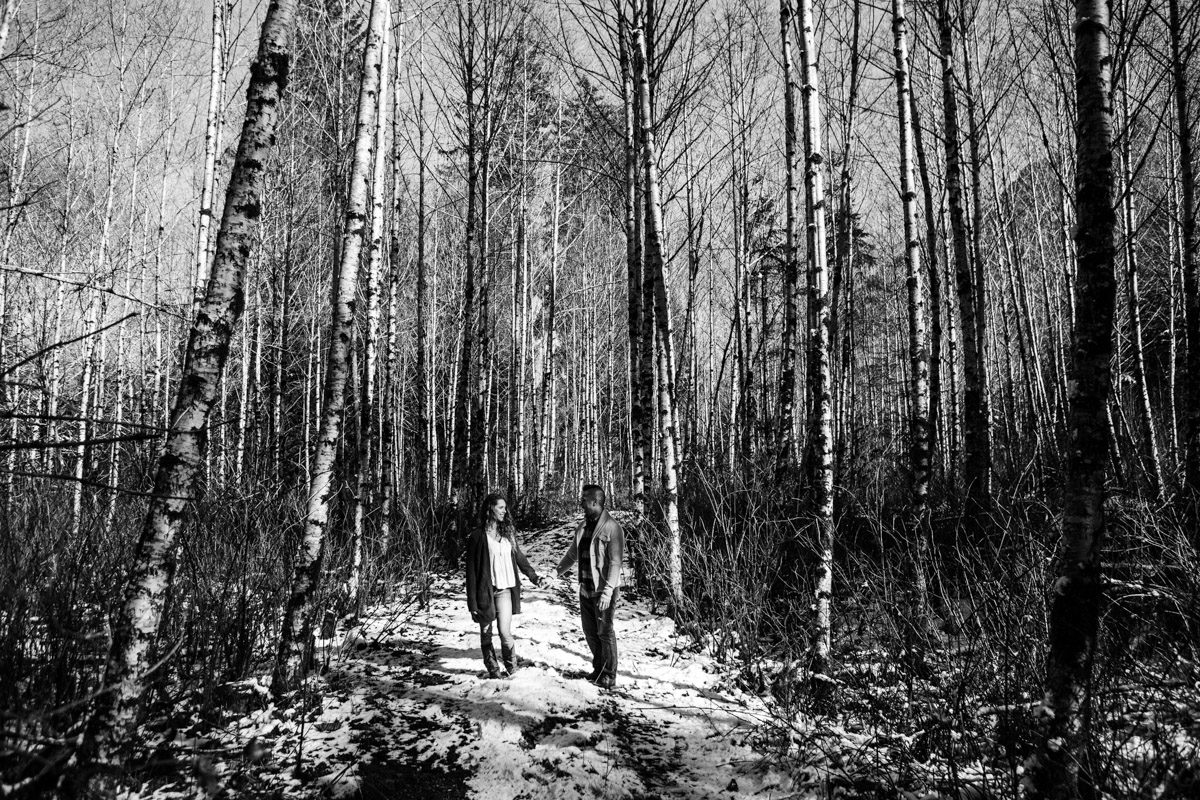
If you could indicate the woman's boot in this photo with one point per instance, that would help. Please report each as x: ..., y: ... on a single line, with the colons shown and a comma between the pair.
x: 489, y: 656
x: 509, y: 654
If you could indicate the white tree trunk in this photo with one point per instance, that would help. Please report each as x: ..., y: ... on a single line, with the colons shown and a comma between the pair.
x: 546, y: 412
x: 820, y: 397
x: 8, y: 12
x: 363, y: 480
x: 16, y: 182
x: 309, y: 559
x: 785, y: 445
x: 920, y: 428
x: 56, y: 371
x: 1154, y: 469
x: 662, y: 317
x: 95, y: 318
x: 244, y: 407
x: 1061, y: 766
x: 216, y: 89
x: 85, y: 410
x: 137, y: 622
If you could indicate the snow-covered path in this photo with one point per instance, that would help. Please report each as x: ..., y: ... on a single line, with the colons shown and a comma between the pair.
x: 408, y: 715
x: 401, y: 709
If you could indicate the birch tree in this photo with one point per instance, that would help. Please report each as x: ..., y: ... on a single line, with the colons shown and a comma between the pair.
x: 137, y: 622
x: 633, y: 262
x: 310, y: 556
x: 819, y: 381
x: 1189, y: 243
x: 935, y: 283
x: 977, y: 457
x: 920, y: 457
x: 369, y: 394
x: 657, y: 268
x: 546, y: 402
x: 8, y: 12
x: 1153, y: 469
x: 467, y: 45
x: 426, y: 474
x: 791, y: 269
x: 1054, y: 770
x: 216, y: 92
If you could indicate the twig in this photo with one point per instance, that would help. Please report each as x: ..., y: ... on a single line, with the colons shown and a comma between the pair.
x: 129, y: 437
x: 10, y: 414
x: 86, y: 482
x: 57, y: 345
x: 86, y: 285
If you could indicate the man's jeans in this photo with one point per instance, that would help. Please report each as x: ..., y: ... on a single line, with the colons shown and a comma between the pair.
x: 600, y: 634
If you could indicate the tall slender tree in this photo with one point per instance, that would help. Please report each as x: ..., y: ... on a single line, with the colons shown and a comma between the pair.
x: 935, y: 283
x: 656, y: 267
x: 1145, y: 413
x: 1059, y: 767
x: 791, y: 268
x: 633, y: 261
x: 216, y: 91
x: 426, y: 474
x: 368, y: 397
x: 920, y: 457
x: 309, y: 560
x: 468, y: 55
x: 977, y: 456
x: 136, y: 626
x: 820, y: 383
x: 1189, y: 243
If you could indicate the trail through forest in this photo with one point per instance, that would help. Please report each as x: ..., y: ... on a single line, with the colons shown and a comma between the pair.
x: 406, y: 712
x: 883, y: 317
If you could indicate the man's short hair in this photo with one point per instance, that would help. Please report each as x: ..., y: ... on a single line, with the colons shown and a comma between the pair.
x: 593, y: 491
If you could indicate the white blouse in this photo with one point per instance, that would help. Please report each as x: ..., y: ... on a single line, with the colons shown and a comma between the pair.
x: 500, y: 552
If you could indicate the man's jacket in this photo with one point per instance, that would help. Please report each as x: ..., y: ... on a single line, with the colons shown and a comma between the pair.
x: 608, y: 549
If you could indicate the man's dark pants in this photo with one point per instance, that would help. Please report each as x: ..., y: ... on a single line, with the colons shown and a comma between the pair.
x: 600, y: 634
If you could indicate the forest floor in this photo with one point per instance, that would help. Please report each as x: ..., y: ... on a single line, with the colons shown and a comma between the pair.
x: 404, y: 709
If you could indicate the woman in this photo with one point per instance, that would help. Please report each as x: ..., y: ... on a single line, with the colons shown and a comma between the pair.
x: 494, y: 561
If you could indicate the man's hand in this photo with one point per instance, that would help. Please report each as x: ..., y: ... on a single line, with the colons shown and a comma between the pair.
x: 605, y: 602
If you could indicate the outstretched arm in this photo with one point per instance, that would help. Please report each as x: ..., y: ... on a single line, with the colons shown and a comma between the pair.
x: 568, y: 560
x: 523, y: 563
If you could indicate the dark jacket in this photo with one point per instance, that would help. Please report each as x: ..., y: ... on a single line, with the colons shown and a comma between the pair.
x: 608, y: 549
x: 479, y: 576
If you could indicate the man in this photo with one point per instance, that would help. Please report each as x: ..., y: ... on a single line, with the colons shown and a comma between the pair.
x: 598, y: 546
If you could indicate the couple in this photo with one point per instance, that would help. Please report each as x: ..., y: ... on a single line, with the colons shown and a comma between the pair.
x: 494, y: 587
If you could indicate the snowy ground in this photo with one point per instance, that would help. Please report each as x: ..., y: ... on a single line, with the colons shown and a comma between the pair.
x: 405, y: 711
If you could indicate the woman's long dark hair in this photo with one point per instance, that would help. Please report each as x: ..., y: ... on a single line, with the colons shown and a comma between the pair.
x: 504, y: 528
